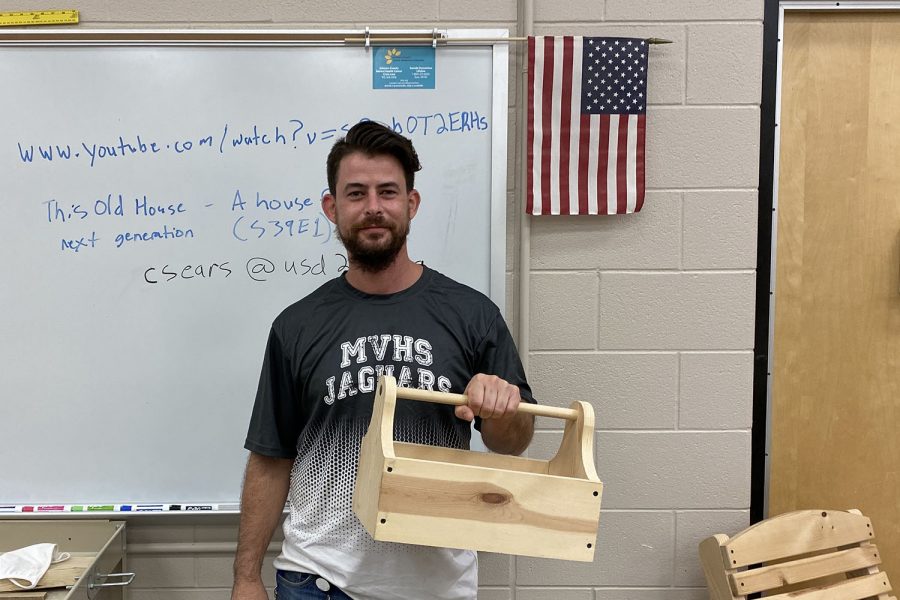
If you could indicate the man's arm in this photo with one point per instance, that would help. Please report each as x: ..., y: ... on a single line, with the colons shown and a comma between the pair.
x: 266, y: 484
x: 508, y: 435
x: 496, y: 401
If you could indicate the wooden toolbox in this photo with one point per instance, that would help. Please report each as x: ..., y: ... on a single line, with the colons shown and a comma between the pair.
x: 94, y: 571
x: 437, y: 496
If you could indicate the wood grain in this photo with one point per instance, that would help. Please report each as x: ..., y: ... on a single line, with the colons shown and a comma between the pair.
x: 836, y: 349
x: 444, y: 497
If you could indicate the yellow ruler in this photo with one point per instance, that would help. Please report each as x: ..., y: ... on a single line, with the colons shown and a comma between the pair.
x: 38, y: 17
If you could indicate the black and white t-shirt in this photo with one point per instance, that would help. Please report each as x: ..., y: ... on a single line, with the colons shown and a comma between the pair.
x: 314, y: 403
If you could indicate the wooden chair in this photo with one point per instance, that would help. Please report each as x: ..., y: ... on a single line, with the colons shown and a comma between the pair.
x: 802, y: 555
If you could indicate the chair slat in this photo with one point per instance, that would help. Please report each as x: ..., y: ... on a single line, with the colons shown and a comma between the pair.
x: 851, y: 589
x: 796, y: 533
x: 805, y: 569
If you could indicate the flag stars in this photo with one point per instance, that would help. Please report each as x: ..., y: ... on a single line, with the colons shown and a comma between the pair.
x: 611, y: 69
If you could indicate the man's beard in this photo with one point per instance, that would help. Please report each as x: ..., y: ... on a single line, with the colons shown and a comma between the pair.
x: 374, y: 257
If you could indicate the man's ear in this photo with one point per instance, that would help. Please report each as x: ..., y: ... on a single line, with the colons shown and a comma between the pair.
x: 414, y: 201
x: 328, y: 207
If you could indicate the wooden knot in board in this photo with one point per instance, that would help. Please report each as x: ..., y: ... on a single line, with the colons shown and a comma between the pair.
x: 493, y: 498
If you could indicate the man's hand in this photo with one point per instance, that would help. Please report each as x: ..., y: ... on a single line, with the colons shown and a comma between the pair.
x: 496, y: 401
x: 249, y: 590
x: 489, y: 398
x: 266, y: 483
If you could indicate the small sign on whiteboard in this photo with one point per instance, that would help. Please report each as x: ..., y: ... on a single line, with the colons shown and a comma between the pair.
x: 403, y: 67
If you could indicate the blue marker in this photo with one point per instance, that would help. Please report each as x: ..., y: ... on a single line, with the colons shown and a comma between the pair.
x: 124, y: 508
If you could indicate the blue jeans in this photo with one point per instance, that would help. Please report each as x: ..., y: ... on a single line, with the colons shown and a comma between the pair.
x: 290, y: 585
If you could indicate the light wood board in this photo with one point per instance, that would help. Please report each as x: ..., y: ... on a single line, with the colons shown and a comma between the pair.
x: 836, y: 356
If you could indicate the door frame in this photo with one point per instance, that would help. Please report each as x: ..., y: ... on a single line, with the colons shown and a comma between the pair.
x: 770, y: 113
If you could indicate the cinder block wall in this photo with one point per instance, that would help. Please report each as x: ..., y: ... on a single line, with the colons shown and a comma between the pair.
x: 649, y: 316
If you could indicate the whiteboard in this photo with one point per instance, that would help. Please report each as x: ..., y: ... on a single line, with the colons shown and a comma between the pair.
x: 159, y: 206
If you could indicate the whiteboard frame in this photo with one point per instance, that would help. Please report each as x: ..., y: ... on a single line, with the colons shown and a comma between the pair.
x: 281, y: 37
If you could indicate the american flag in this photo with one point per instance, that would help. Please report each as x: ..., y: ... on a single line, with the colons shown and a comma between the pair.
x: 587, y: 105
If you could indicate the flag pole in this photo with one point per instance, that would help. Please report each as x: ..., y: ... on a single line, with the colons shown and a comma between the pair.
x: 370, y: 39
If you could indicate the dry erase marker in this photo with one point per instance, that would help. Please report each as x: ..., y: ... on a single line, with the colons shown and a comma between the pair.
x: 123, y: 508
x: 51, y: 508
x: 7, y: 508
x: 27, y: 509
x: 149, y: 508
x: 199, y: 507
x: 100, y: 507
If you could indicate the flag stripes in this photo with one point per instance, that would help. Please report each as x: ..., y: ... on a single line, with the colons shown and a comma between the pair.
x: 578, y: 161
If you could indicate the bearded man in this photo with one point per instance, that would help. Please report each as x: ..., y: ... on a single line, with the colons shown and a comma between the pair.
x: 386, y: 315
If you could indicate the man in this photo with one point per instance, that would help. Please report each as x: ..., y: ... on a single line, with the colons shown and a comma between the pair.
x: 385, y: 315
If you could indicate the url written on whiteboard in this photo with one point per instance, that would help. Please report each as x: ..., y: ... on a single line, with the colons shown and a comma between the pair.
x: 293, y: 134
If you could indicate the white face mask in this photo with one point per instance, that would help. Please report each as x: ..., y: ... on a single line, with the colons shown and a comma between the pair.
x: 25, y: 567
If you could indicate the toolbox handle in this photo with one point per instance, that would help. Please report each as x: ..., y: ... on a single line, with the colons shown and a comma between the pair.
x: 575, y: 457
x: 527, y: 408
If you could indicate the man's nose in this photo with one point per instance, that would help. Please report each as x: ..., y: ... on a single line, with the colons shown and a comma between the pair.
x: 373, y: 202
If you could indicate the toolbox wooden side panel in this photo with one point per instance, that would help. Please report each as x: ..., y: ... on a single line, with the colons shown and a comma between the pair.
x: 462, y: 506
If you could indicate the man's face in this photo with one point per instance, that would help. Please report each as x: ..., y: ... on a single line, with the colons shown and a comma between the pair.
x: 371, y: 208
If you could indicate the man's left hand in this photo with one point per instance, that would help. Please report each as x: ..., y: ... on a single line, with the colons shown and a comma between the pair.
x: 490, y: 397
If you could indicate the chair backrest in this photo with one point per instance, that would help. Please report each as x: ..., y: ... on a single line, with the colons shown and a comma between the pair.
x: 802, y: 555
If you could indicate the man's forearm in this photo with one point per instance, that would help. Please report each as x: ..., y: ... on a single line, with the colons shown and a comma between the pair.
x: 266, y: 484
x: 509, y: 435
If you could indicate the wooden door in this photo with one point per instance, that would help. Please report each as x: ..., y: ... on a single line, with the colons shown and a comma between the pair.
x: 835, y: 419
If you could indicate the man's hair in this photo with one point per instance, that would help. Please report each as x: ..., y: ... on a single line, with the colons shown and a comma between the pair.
x: 373, y: 139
